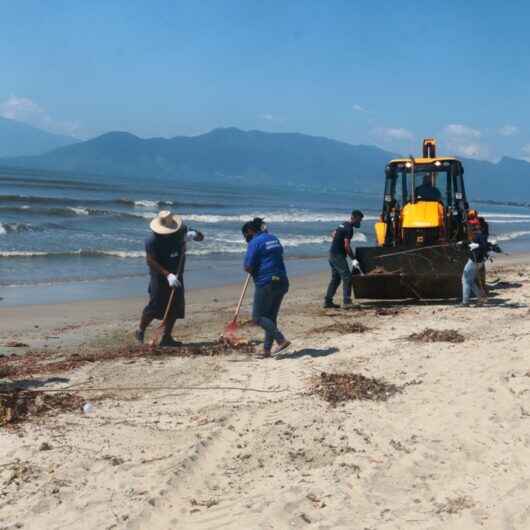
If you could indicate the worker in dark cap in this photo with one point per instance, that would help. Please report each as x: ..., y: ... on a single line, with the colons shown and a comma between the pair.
x: 264, y: 261
x: 340, y: 270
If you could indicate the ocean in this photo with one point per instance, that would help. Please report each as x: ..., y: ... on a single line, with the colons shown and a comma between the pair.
x: 65, y: 238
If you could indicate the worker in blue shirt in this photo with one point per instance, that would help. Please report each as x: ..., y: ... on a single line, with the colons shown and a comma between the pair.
x: 264, y: 261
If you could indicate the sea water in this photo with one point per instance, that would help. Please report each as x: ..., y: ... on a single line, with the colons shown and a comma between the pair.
x: 85, y: 236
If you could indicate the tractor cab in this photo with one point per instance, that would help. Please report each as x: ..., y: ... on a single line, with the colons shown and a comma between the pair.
x: 424, y: 200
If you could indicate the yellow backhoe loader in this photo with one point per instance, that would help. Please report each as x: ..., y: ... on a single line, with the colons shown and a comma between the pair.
x: 419, y: 234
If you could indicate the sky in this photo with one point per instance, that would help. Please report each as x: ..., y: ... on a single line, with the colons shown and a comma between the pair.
x: 383, y: 73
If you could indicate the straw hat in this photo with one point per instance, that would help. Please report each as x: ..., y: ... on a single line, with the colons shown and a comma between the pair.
x: 166, y: 223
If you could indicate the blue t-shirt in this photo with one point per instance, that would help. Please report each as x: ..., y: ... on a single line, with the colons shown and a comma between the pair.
x: 265, y: 258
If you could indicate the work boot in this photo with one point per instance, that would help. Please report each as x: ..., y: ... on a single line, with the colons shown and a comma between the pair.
x: 328, y: 304
x: 169, y: 342
x: 347, y: 304
x: 139, y: 335
x: 282, y: 346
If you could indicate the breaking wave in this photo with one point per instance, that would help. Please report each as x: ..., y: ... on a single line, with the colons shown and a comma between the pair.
x: 272, y: 217
x: 17, y: 228
x: 512, y: 235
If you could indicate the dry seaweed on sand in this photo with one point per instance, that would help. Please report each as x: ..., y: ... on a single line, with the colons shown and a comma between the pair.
x: 437, y: 335
x: 387, y: 311
x: 344, y: 327
x: 17, y: 406
x: 334, y: 388
x: 39, y: 363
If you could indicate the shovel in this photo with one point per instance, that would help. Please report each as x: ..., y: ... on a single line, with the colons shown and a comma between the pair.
x: 229, y: 334
x: 156, y: 334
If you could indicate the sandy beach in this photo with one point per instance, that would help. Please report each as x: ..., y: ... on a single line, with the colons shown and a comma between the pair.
x: 196, y: 441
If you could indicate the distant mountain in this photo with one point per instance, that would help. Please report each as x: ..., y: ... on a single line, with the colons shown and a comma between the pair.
x: 230, y: 154
x: 20, y: 139
x: 227, y: 154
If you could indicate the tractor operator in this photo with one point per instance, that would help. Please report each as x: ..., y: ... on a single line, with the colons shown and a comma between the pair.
x: 427, y: 191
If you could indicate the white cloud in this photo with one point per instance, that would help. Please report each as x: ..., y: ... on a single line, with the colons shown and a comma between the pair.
x: 392, y: 134
x: 458, y: 130
x: 26, y: 110
x: 508, y: 130
x: 268, y: 117
x: 358, y: 108
x: 463, y: 140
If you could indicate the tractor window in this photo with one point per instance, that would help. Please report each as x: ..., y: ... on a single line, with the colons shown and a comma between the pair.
x: 429, y: 185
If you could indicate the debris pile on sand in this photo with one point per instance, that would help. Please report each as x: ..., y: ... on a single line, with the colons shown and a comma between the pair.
x: 17, y: 406
x: 387, y: 311
x: 456, y: 505
x: 40, y: 363
x: 335, y: 388
x: 343, y: 327
x: 437, y: 335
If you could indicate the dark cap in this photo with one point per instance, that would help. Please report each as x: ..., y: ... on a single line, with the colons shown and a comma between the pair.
x: 357, y: 213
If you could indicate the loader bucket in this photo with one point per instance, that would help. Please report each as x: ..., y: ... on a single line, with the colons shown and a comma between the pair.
x: 395, y: 273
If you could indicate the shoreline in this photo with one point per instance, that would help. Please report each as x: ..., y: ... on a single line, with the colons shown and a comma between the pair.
x: 223, y: 439
x: 215, y: 275
x: 136, y: 286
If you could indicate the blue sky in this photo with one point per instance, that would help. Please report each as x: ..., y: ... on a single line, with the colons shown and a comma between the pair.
x: 384, y: 73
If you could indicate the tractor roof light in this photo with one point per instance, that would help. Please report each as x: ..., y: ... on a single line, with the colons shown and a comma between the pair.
x: 437, y: 163
x: 408, y: 164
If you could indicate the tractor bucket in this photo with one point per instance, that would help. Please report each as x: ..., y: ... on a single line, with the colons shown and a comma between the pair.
x: 431, y: 272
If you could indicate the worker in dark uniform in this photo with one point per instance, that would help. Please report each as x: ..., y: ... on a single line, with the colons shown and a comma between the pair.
x: 427, y: 191
x: 340, y: 270
x: 264, y: 261
x: 165, y: 250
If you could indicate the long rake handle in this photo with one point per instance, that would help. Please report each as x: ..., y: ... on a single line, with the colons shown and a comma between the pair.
x: 240, y: 303
x: 172, y: 296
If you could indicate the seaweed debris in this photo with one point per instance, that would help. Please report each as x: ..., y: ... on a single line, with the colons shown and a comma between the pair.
x: 335, y: 388
x: 437, y: 335
x: 40, y: 363
x: 18, y: 406
x: 342, y: 327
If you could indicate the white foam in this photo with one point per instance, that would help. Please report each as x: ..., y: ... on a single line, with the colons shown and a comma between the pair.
x: 146, y: 204
x: 78, y: 211
x: 512, y: 235
x: 271, y: 217
x: 2, y: 230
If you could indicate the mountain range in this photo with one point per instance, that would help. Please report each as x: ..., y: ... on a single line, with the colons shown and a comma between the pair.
x: 19, y: 139
x: 230, y: 155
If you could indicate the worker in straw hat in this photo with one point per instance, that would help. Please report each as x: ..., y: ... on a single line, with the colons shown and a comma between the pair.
x: 165, y: 250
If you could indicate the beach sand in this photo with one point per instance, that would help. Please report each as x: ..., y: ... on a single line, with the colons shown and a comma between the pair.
x: 229, y: 441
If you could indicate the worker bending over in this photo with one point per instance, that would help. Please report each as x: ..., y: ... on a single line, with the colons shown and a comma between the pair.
x: 264, y: 261
x: 478, y: 253
x: 165, y: 251
x: 340, y: 270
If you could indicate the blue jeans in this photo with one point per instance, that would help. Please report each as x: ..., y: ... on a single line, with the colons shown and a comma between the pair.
x: 469, y: 281
x: 267, y: 302
x: 340, y: 272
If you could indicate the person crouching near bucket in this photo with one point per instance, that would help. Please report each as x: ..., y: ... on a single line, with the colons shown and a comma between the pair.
x: 165, y: 252
x: 264, y: 261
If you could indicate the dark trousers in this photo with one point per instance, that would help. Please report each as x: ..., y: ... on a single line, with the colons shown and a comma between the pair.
x: 159, y: 294
x: 267, y: 302
x: 340, y: 272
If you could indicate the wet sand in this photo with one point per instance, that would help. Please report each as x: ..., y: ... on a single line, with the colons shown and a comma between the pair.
x: 235, y: 442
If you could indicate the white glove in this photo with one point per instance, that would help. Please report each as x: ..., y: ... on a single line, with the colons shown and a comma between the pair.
x: 173, y: 281
x: 190, y: 236
x: 473, y: 246
x: 356, y: 264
